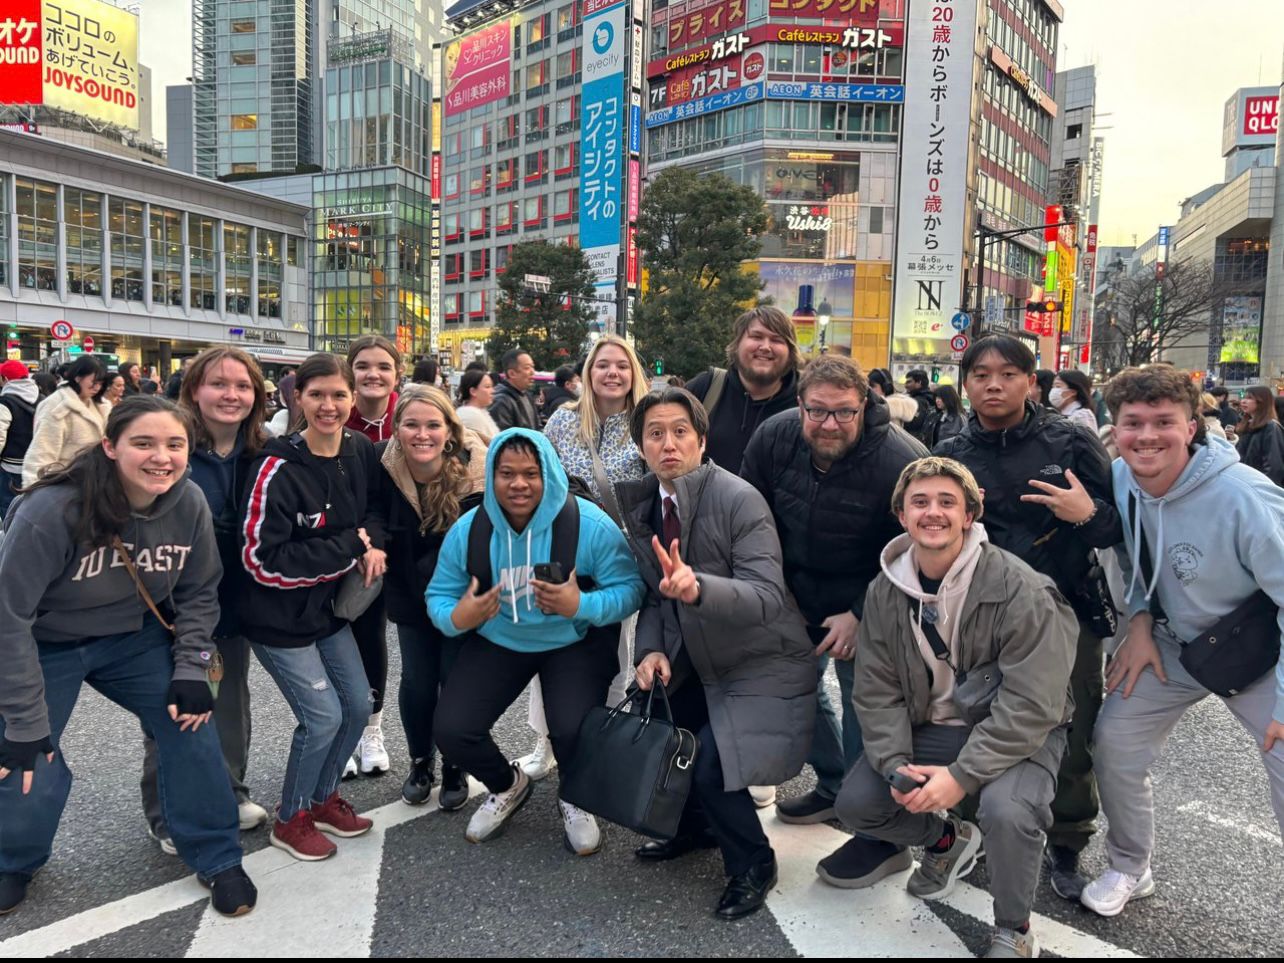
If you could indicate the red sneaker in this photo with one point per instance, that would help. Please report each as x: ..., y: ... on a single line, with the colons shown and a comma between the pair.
x: 299, y: 838
x: 337, y: 817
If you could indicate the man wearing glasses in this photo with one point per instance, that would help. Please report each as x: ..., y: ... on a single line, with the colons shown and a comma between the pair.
x: 827, y: 473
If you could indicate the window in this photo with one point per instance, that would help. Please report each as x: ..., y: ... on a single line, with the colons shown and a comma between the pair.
x: 83, y: 217
x: 125, y: 225
x: 454, y: 266
x: 536, y: 77
x: 453, y: 305
x: 536, y: 120
x: 167, y: 257
x: 536, y: 162
x: 566, y: 64
x: 478, y: 264
x: 452, y: 186
x: 244, y: 58
x: 236, y: 268
x: 564, y: 159
x: 37, y: 234
x: 4, y: 230
x: 245, y: 122
x: 537, y: 30
x: 564, y: 206
x: 202, y: 236
x: 476, y: 305
x: 1074, y: 131
x: 506, y: 175
x: 506, y: 217
x: 565, y: 17
x: 507, y: 131
x: 243, y: 26
x: 245, y: 168
x: 479, y: 136
x: 479, y: 180
x: 533, y: 211
x: 876, y: 220
x: 268, y: 253
x: 479, y: 222
x: 451, y: 226
x: 502, y: 254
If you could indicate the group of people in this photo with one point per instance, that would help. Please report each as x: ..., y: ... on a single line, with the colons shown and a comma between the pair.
x: 727, y: 540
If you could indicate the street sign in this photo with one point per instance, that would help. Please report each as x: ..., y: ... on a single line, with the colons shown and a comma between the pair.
x: 62, y: 330
x: 960, y: 321
x: 992, y: 313
x: 959, y: 341
x: 87, y: 343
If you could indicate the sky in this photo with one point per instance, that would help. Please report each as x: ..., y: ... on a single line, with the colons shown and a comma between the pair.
x: 1165, y: 69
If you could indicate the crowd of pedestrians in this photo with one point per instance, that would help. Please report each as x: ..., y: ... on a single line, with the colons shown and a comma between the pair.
x: 1019, y: 599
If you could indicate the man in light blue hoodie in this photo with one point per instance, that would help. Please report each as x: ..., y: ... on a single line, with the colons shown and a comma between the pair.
x: 1203, y: 534
x: 524, y: 626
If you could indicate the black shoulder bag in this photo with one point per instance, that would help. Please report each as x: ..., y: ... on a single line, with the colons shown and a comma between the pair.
x: 1241, y: 648
x: 974, y: 691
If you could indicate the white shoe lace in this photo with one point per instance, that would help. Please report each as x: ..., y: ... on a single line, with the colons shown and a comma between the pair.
x: 573, y: 815
x: 372, y: 742
x: 497, y: 802
x: 1114, y: 883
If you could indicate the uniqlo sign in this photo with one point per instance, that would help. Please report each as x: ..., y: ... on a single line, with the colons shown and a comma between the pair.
x: 1261, y: 116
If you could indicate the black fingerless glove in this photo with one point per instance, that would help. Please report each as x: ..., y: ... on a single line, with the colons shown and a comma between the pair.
x: 192, y: 698
x: 21, y: 756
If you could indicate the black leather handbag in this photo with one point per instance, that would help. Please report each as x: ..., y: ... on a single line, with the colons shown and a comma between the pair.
x: 632, y: 769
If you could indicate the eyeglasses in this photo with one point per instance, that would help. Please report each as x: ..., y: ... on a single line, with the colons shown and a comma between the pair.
x: 843, y: 416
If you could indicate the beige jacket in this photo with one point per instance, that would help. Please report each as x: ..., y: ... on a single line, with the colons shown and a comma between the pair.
x: 64, y: 426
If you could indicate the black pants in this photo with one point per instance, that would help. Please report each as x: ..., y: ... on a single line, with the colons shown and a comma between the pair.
x: 731, y: 816
x: 486, y: 679
x: 371, y: 632
x: 426, y: 660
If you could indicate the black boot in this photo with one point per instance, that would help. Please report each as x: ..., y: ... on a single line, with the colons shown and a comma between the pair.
x: 747, y: 892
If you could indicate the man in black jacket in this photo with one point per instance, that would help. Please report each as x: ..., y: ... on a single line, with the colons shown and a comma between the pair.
x: 920, y: 389
x: 1049, y: 500
x: 760, y: 380
x: 828, y: 473
x: 512, y: 406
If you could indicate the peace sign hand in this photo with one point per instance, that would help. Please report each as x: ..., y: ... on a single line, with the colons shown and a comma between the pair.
x: 680, y: 581
x: 1072, y: 504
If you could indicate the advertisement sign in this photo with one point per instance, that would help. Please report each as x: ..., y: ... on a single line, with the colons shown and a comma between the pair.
x: 635, y: 66
x: 602, y: 138
x: 1241, y: 331
x: 705, y: 105
x: 851, y: 38
x: 21, y: 53
x: 825, y: 9
x: 478, y: 68
x: 835, y: 283
x: 1252, y: 118
x: 932, y: 200
x: 712, y: 20
x: 633, y: 258
x: 843, y: 93
x: 1261, y: 116
x: 635, y: 189
x: 635, y: 123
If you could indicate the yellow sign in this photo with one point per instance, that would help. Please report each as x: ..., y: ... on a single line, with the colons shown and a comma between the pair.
x: 91, y: 60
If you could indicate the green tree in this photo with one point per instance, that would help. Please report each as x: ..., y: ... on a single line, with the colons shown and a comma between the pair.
x: 696, y: 232
x: 541, y: 323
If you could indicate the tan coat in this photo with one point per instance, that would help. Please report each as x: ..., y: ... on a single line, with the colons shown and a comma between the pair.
x: 65, y: 425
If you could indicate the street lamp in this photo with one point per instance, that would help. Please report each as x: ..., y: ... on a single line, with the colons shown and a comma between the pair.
x: 823, y: 315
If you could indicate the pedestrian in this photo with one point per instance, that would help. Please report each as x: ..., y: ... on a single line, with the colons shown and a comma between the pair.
x: 1041, y: 391
x: 760, y: 380
x: 522, y: 626
x: 513, y: 406
x: 1071, y: 395
x: 826, y: 473
x: 18, y: 398
x: 721, y: 632
x: 223, y: 395
x: 902, y: 410
x: 1203, y: 560
x: 432, y: 471
x: 307, y: 525
x: 919, y: 389
x: 1211, y: 413
x: 949, y: 609
x: 881, y: 383
x: 46, y: 383
x: 133, y: 377
x: 148, y: 385
x: 565, y: 389
x: 425, y: 372
x: 950, y: 417
x: 285, y: 390
x: 68, y: 421
x: 175, y: 383
x: 1229, y: 417
x: 1260, y: 439
x: 592, y: 441
x: 476, y: 391
x: 1050, y: 502
x: 91, y: 554
x: 112, y: 389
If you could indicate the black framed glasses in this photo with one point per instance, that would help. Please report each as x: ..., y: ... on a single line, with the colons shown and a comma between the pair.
x: 844, y: 416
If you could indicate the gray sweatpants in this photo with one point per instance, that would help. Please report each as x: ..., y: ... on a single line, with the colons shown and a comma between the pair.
x: 1131, y: 733
x: 1015, y: 812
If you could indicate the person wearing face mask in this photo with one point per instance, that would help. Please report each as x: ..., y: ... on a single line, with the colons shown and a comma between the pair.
x: 1071, y: 395
x: 564, y: 390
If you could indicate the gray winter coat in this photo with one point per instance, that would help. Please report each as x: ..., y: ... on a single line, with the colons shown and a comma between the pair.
x: 745, y: 636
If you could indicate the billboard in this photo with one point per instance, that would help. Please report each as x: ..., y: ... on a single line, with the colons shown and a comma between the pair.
x: 709, y: 21
x: 479, y: 68
x: 844, y: 38
x: 932, y: 200
x: 602, y: 171
x: 1251, y: 119
x: 75, y: 55
x: 1241, y: 331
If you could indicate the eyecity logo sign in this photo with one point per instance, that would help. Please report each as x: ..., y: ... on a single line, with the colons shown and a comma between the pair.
x: 602, y: 37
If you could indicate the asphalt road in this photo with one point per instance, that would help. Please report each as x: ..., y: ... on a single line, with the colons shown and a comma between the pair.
x: 416, y: 887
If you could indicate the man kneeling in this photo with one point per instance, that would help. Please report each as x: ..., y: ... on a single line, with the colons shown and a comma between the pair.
x: 963, y: 666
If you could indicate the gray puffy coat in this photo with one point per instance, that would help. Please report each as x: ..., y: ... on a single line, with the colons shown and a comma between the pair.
x: 746, y: 637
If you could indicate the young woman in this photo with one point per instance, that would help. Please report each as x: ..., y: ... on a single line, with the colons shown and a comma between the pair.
x: 1210, y: 411
x: 476, y: 392
x: 68, y: 421
x: 307, y: 526
x: 950, y: 417
x: 376, y: 366
x: 112, y: 390
x: 1041, y: 394
x: 1071, y: 394
x: 94, y: 556
x: 1261, y: 437
x: 223, y: 395
x: 133, y: 376
x: 434, y: 470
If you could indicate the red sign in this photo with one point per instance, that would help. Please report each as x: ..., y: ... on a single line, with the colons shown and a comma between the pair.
x: 478, y: 69
x: 62, y: 330
x: 1051, y: 217
x: 591, y: 7
x: 633, y: 272
x: 21, y: 53
x: 1261, y: 116
x: 713, y: 20
x: 824, y: 9
x: 1092, y: 239
x: 635, y: 189
x: 436, y: 177
x: 87, y: 343
x: 870, y: 37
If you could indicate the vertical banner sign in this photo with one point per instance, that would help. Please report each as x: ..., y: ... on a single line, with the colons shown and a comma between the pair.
x: 602, y: 172
x: 479, y: 67
x: 434, y: 235
x: 940, y: 40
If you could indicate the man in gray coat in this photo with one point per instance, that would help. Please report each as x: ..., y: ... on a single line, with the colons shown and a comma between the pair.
x: 721, y: 633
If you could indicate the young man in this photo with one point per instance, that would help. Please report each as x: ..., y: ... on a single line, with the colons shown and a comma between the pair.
x: 1048, y: 501
x: 720, y: 631
x: 512, y: 406
x: 918, y: 387
x: 566, y: 388
x: 527, y: 626
x: 950, y: 611
x: 1203, y: 533
x: 827, y: 472
x: 18, y: 398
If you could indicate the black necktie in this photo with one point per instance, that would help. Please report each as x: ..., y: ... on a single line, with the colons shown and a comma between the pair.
x: 672, y: 524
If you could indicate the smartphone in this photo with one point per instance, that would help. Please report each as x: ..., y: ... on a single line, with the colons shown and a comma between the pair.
x: 902, y: 782
x: 550, y: 572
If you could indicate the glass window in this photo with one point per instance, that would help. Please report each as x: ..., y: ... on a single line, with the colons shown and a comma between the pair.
x: 37, y: 234
x: 565, y: 17
x: 243, y: 26
x: 236, y: 268
x: 565, y: 64
x: 4, y: 229
x: 83, y: 216
x: 268, y: 254
x: 242, y: 58
x: 245, y: 122
x: 202, y: 238
x: 125, y: 226
x: 167, y: 257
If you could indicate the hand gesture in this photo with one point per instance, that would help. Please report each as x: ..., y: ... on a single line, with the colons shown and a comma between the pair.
x: 1134, y: 655
x: 558, y: 598
x: 940, y: 790
x: 655, y: 664
x: 1073, y: 504
x: 373, y: 564
x: 475, y: 609
x: 679, y: 580
x: 840, y: 642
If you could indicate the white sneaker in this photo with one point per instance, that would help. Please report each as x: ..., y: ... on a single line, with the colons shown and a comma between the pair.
x: 763, y: 796
x: 540, y: 762
x: 374, y: 757
x: 350, y: 768
x: 1110, y: 892
x: 251, y: 814
x: 582, y: 836
x: 492, y: 816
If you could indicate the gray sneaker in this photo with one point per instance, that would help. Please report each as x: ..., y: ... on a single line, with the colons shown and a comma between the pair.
x: 938, y: 872
x: 1011, y: 945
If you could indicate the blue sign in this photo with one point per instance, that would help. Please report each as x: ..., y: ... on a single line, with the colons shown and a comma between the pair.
x: 603, y: 34
x: 703, y: 105
x: 1163, y: 236
x: 960, y: 321
x: 635, y: 128
x: 842, y: 93
x: 602, y: 139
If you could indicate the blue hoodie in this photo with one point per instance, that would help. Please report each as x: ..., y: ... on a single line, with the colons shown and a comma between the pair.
x: 1215, y: 538
x: 601, y: 554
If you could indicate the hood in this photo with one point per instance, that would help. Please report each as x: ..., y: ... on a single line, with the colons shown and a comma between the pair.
x: 293, y: 448
x: 901, y: 566
x: 24, y: 389
x: 473, y: 457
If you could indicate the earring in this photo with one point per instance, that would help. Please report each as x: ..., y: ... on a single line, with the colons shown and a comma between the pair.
x: 449, y: 448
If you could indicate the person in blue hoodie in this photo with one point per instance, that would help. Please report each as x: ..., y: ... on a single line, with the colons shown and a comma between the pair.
x: 1203, y: 535
x: 522, y: 626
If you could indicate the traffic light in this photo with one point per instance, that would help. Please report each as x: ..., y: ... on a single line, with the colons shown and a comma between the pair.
x: 659, y: 366
x: 936, y: 375
x: 1046, y: 306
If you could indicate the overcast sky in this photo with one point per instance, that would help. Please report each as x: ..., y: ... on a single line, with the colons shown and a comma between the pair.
x: 1164, y: 71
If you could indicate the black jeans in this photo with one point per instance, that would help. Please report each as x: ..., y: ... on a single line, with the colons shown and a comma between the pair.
x: 370, y: 629
x: 426, y: 660
x: 486, y: 679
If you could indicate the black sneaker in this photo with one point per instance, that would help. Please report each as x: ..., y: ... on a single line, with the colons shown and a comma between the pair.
x: 454, y: 789
x: 810, y: 808
x: 231, y: 891
x: 1063, y: 872
x: 418, y: 785
x: 860, y: 863
x: 13, y: 890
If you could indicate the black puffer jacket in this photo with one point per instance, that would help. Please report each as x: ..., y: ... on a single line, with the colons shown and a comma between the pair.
x: 832, y: 527
x: 1042, y: 447
x: 1263, y: 449
x: 737, y: 416
x: 511, y: 408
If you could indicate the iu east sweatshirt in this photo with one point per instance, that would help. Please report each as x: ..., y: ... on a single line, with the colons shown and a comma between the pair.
x: 55, y: 591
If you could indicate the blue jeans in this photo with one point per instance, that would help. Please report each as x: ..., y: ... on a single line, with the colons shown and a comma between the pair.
x: 8, y: 483
x: 833, y: 750
x: 328, y: 693
x: 133, y: 670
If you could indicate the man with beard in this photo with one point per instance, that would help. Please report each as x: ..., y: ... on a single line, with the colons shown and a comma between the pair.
x: 827, y: 472
x: 760, y: 381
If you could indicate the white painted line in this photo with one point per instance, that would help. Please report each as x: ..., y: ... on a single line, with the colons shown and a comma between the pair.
x: 1239, y: 826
